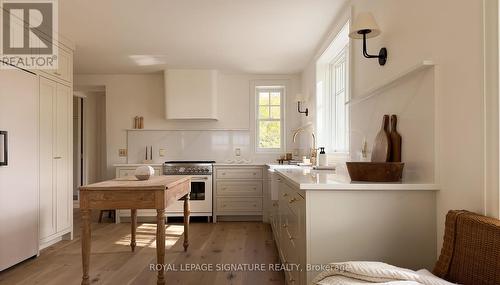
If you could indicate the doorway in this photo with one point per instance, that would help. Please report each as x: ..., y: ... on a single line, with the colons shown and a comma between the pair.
x: 89, y: 138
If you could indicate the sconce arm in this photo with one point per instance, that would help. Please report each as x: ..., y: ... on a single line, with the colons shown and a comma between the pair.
x: 365, y: 49
x: 302, y: 112
x: 382, y: 56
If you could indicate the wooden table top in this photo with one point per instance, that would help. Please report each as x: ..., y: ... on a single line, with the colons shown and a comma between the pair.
x: 126, y: 183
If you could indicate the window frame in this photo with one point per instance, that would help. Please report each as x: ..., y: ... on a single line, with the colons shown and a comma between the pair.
x: 326, y: 121
x: 332, y: 82
x: 270, y: 88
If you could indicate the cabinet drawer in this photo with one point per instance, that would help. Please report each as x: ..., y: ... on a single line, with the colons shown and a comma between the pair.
x: 296, y: 204
x: 239, y: 188
x: 243, y: 204
x: 123, y: 172
x: 291, y: 255
x: 239, y: 173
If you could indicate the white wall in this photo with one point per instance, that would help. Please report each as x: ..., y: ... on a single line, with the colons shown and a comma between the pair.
x: 450, y: 33
x: 95, y: 136
x: 491, y: 24
x: 128, y: 96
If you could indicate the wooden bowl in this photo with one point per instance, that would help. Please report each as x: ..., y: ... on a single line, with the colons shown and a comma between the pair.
x: 375, y: 171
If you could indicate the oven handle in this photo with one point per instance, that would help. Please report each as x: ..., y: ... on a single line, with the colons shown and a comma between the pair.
x: 198, y: 178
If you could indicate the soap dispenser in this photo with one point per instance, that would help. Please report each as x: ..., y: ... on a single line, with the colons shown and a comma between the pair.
x: 322, y: 159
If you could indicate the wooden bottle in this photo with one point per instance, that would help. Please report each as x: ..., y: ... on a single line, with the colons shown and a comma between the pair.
x: 136, y: 122
x: 382, y: 146
x: 396, y: 140
x: 141, y: 122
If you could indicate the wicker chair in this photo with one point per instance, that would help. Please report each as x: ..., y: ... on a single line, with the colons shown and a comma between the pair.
x: 471, y: 250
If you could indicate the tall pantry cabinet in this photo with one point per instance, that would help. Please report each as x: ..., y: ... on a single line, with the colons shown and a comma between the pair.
x: 56, y: 152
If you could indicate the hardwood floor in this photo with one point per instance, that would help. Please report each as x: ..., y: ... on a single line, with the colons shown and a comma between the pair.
x: 112, y: 262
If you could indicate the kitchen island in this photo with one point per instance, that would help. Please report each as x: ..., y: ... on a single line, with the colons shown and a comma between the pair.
x: 323, y: 217
x: 129, y: 193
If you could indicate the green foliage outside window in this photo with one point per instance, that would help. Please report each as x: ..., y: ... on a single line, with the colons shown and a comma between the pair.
x: 269, y: 119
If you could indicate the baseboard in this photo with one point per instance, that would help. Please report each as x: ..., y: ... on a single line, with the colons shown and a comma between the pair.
x: 48, y: 241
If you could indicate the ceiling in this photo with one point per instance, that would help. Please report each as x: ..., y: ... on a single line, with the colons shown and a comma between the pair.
x: 255, y: 36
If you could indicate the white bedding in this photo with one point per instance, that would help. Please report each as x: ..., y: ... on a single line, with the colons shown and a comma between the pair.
x: 364, y: 272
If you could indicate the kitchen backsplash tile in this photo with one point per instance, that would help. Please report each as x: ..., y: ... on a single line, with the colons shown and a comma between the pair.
x: 194, y: 145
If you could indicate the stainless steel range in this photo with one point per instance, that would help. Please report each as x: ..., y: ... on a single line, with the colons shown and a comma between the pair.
x: 201, y: 186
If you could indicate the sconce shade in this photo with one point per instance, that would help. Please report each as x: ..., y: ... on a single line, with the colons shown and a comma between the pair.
x: 364, y: 21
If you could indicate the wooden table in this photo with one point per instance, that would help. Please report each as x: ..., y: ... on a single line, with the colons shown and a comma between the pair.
x: 157, y: 193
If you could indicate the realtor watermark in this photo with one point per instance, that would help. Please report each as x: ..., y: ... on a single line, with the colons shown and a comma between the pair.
x: 249, y: 267
x: 29, y: 34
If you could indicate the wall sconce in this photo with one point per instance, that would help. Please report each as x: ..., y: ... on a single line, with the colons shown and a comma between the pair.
x: 302, y: 112
x: 365, y: 27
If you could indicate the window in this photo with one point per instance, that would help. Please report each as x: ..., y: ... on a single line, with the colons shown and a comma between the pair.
x: 269, y: 115
x: 338, y: 78
x: 332, y: 87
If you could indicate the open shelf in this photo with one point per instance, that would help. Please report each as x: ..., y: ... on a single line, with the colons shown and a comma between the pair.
x: 376, y: 90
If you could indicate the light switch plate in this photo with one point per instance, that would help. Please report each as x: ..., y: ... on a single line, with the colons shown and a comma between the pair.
x: 122, y: 152
x: 237, y: 151
x: 162, y: 152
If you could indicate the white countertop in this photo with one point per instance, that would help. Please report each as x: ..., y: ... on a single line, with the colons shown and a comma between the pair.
x: 215, y: 164
x: 239, y: 164
x: 136, y: 164
x: 308, y: 179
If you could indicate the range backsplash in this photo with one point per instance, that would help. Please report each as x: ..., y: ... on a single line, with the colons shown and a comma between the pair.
x: 218, y: 145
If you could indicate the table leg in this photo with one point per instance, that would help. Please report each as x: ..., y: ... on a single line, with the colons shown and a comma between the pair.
x: 133, y: 221
x: 160, y: 244
x: 186, y: 222
x: 85, y: 245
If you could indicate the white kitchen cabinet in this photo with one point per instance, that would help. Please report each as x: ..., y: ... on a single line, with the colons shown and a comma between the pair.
x: 56, y: 175
x: 316, y: 226
x: 64, y: 71
x: 239, y: 192
x: 292, y: 232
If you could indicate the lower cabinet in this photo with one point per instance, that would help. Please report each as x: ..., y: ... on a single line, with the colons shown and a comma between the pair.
x: 238, y: 192
x: 292, y: 235
x: 56, y: 189
x: 313, y: 227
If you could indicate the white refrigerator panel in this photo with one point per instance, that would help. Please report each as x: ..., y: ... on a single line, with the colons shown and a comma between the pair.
x: 19, y: 178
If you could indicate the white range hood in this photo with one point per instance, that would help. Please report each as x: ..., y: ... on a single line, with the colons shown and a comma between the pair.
x: 190, y: 94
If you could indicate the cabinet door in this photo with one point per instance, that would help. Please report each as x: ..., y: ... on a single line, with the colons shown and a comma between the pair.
x: 64, y: 69
x: 48, y: 90
x: 65, y: 66
x: 63, y: 157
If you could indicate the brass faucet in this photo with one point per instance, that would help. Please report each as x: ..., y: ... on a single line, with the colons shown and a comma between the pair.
x: 313, y: 150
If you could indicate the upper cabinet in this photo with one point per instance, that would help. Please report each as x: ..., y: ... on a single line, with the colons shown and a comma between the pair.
x: 64, y: 71
x: 190, y: 94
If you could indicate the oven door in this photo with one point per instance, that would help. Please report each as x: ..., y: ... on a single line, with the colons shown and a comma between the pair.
x: 200, y: 198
